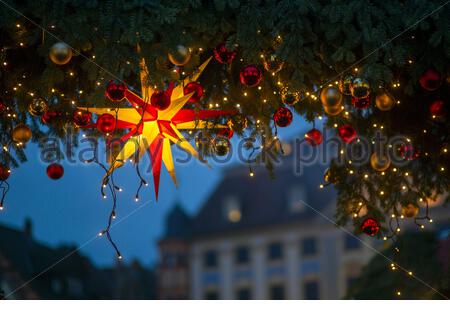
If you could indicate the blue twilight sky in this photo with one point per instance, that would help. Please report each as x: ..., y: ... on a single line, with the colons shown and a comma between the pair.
x: 71, y: 210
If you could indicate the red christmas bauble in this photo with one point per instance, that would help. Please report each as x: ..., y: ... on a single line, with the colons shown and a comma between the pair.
x: 282, y: 117
x: 2, y: 105
x: 223, y: 55
x: 250, y: 75
x: 115, y: 90
x: 82, y: 118
x: 195, y: 87
x: 226, y: 132
x: 437, y: 110
x: 370, y: 227
x: 50, y: 117
x: 106, y: 123
x: 363, y: 103
x: 160, y: 100
x: 408, y: 152
x: 347, y: 133
x: 430, y: 80
x: 4, y: 172
x: 314, y: 137
x: 55, y: 171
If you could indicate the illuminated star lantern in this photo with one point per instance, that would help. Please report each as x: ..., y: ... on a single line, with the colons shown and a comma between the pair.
x: 153, y: 129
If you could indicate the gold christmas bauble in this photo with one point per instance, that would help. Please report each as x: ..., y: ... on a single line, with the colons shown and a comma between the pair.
x: 345, y: 84
x: 333, y: 111
x: 331, y: 97
x: 179, y: 56
x: 380, y: 162
x: 410, y: 211
x: 290, y: 97
x: 21, y: 133
x: 433, y: 200
x: 384, y: 101
x: 38, y: 107
x: 272, y: 64
x: 360, y: 88
x: 60, y: 53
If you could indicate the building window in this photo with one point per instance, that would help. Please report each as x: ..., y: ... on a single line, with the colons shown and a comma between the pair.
x: 210, y: 259
x: 352, y: 242
x: 277, y: 292
x: 275, y: 251
x: 56, y: 285
x: 297, y: 195
x: 311, y: 290
x: 232, y: 209
x: 211, y: 295
x: 243, y: 294
x: 242, y: 255
x: 74, y: 286
x: 171, y: 261
x: 309, y: 247
x: 182, y: 260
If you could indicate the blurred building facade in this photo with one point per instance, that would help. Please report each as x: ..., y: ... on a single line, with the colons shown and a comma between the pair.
x: 32, y: 270
x: 260, y: 238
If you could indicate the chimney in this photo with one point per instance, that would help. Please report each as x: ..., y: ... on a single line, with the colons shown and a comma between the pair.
x: 28, y: 228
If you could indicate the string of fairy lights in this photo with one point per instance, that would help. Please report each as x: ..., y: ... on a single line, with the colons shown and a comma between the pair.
x: 260, y: 125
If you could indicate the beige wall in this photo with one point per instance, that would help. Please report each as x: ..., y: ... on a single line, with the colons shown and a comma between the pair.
x: 335, y: 264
